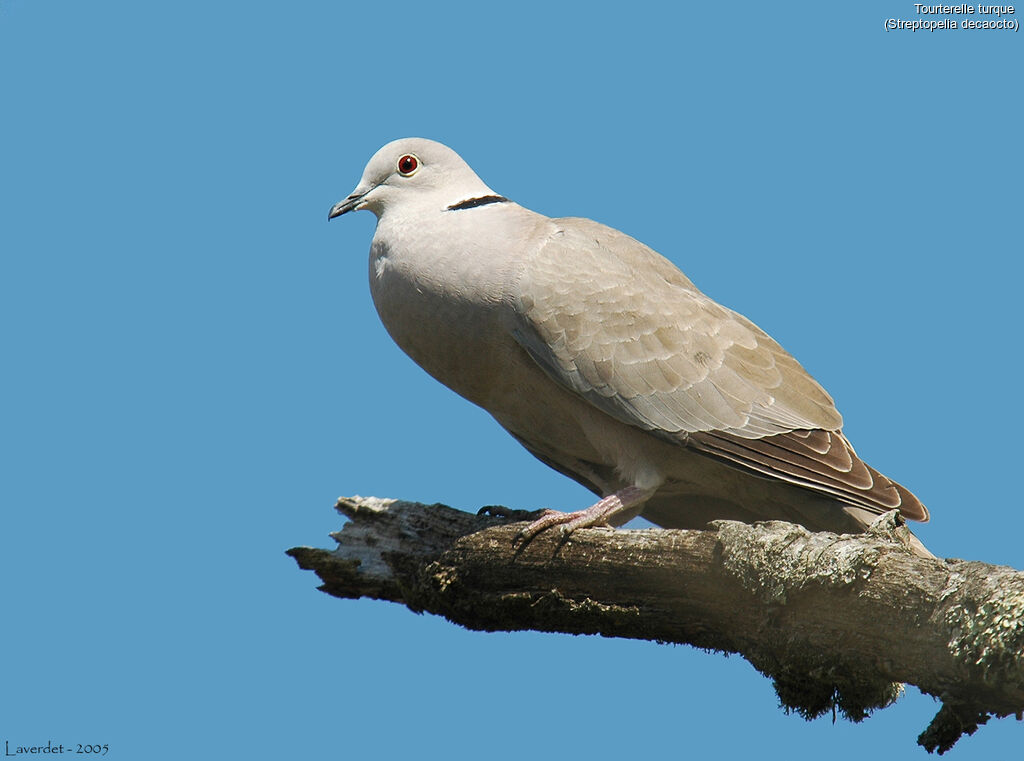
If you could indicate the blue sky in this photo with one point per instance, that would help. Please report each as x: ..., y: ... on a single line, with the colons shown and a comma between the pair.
x: 194, y: 370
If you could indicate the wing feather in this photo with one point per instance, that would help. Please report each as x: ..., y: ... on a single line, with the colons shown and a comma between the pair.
x: 622, y: 326
x: 617, y: 323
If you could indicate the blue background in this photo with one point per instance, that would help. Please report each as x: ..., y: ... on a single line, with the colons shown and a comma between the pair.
x: 193, y: 369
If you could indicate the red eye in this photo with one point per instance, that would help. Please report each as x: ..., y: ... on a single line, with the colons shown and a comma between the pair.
x: 408, y: 164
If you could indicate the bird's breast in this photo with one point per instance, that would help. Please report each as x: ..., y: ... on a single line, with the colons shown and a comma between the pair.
x: 443, y: 310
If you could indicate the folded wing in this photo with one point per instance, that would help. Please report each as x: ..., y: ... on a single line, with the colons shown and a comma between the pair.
x: 620, y: 325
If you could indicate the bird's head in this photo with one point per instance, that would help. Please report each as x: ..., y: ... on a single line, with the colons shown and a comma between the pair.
x: 412, y: 172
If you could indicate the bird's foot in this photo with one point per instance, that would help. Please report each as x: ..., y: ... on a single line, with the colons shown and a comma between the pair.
x: 601, y: 513
x: 499, y: 511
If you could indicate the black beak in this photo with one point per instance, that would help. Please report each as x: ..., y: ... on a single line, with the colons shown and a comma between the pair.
x: 345, y: 206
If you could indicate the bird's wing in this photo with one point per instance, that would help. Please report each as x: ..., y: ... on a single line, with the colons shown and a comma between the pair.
x: 617, y: 323
x: 622, y: 326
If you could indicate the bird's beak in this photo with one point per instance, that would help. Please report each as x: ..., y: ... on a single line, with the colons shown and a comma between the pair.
x: 347, y: 205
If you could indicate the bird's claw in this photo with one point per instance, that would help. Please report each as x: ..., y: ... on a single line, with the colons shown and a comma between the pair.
x: 500, y: 511
x: 568, y: 523
x: 541, y: 520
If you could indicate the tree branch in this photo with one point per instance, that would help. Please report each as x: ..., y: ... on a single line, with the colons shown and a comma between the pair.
x: 836, y: 621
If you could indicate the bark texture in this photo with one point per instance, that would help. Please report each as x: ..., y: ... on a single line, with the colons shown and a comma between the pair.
x: 838, y: 622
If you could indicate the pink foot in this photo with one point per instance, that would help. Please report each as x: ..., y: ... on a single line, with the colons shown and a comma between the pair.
x: 600, y: 513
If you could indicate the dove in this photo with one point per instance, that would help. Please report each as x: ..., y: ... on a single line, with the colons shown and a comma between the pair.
x: 604, y: 360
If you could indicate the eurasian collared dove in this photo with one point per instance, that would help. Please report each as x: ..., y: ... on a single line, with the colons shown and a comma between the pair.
x: 602, y: 359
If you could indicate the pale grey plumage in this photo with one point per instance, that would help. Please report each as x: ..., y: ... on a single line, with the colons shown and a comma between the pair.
x: 644, y: 345
x: 603, y: 359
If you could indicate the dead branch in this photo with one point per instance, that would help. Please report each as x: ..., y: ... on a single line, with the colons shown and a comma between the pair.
x: 836, y: 621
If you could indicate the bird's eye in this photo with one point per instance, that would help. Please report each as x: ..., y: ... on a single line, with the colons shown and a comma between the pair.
x: 408, y: 164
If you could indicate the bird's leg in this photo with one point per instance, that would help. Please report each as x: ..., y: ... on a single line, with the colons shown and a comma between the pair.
x: 601, y: 513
